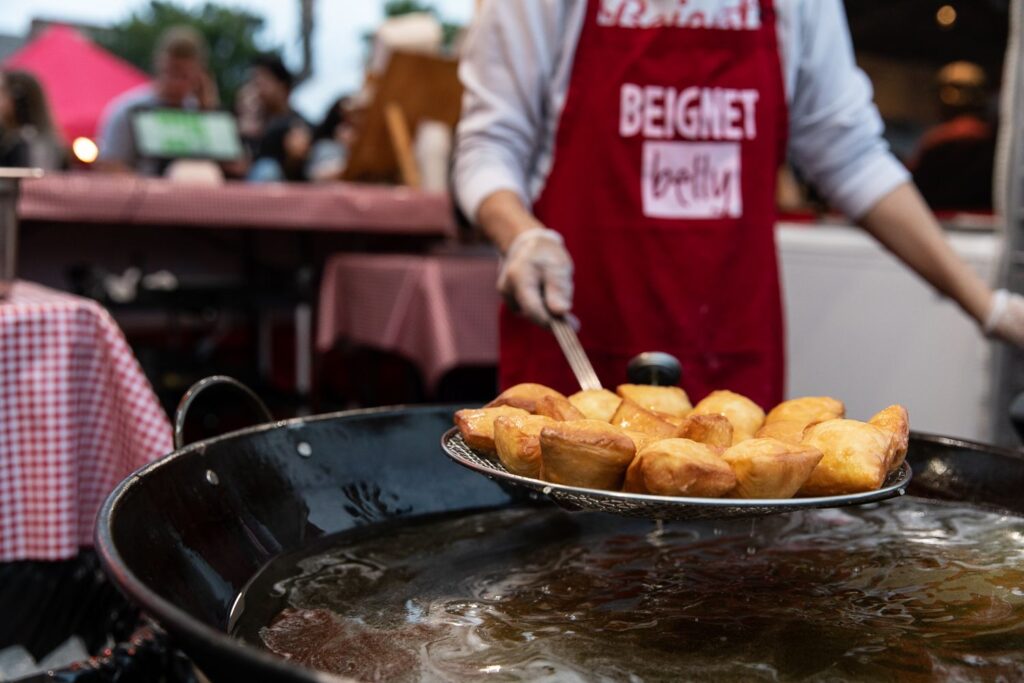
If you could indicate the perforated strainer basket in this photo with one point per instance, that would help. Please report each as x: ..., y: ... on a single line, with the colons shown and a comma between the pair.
x: 661, y: 507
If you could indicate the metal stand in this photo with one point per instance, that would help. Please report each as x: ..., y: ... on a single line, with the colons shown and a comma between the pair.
x: 10, y: 181
x: 1008, y: 368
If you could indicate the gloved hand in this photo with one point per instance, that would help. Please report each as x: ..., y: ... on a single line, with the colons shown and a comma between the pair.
x: 536, y: 275
x: 1006, y: 318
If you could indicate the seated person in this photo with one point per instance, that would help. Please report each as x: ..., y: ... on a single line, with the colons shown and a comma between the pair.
x: 181, y: 82
x: 282, y: 149
x: 13, y: 148
x: 331, y: 142
x: 30, y: 116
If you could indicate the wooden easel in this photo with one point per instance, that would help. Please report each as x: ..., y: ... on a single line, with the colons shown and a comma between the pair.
x: 414, y: 87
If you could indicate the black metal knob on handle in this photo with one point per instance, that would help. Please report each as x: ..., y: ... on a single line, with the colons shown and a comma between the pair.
x: 654, y: 367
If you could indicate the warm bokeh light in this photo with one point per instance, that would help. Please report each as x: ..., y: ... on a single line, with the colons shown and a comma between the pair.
x: 85, y: 150
x: 946, y: 16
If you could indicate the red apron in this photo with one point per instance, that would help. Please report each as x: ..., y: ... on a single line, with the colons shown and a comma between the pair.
x: 663, y: 186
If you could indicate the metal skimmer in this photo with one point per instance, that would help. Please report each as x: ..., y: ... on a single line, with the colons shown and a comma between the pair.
x: 661, y: 507
x: 574, y: 353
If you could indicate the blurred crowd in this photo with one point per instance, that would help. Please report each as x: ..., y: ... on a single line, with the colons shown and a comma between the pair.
x: 952, y: 163
x: 278, y: 143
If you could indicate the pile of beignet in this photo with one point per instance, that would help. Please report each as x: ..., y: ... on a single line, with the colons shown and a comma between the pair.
x: 648, y: 439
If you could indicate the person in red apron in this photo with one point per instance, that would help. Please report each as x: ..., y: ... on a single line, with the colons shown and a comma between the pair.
x: 654, y: 224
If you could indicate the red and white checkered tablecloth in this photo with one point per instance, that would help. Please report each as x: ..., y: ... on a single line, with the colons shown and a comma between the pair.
x: 76, y: 416
x: 439, y: 311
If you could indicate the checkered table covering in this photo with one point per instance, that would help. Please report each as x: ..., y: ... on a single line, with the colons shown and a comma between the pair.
x: 76, y: 416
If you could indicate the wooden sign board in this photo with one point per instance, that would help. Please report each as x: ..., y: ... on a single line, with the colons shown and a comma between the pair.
x: 420, y: 87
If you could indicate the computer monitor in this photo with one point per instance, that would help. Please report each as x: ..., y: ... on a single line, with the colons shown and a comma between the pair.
x: 185, y: 134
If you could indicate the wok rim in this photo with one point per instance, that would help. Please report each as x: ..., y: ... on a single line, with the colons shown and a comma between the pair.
x: 165, y: 613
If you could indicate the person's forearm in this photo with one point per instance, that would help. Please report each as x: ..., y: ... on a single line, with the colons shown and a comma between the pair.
x: 904, y: 224
x: 502, y: 216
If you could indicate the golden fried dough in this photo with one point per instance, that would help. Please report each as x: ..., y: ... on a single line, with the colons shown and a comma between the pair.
x: 855, y: 457
x: 769, y: 468
x: 807, y: 410
x: 477, y: 425
x: 524, y: 396
x: 789, y: 431
x: 635, y: 418
x: 588, y: 453
x: 517, y: 440
x: 641, y: 440
x: 679, y: 467
x: 745, y: 415
x: 712, y: 430
x: 596, y: 404
x: 668, y: 400
x: 895, y: 422
x: 558, y: 408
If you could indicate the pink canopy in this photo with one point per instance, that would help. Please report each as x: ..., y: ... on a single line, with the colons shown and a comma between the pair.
x: 80, y: 78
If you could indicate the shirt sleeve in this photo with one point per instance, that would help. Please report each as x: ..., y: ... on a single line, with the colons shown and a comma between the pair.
x: 835, y: 129
x: 508, y: 60
x: 116, y: 142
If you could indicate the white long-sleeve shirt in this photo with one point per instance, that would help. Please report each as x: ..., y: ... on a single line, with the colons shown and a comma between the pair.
x: 518, y: 62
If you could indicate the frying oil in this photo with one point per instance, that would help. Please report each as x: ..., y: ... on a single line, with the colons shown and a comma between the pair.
x: 908, y: 590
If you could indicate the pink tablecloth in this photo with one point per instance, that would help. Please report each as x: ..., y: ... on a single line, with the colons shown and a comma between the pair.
x: 336, y: 207
x: 440, y: 312
x: 76, y: 416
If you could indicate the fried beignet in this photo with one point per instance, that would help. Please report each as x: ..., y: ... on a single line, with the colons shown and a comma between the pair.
x: 635, y: 418
x: 477, y: 425
x: 895, y: 421
x: 788, y: 431
x: 557, y: 408
x: 769, y: 468
x: 517, y: 440
x: 588, y: 453
x: 524, y: 396
x: 641, y: 440
x: 668, y: 400
x: 711, y: 430
x: 679, y: 467
x: 596, y: 404
x: 745, y: 415
x: 807, y: 410
x: 855, y: 457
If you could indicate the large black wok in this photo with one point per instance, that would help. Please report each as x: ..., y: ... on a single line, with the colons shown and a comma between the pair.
x: 181, y: 537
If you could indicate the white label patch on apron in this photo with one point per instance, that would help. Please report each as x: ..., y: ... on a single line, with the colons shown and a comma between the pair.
x: 691, y: 180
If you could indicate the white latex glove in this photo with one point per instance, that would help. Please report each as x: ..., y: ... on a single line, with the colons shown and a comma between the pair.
x: 1006, y: 318
x: 536, y: 275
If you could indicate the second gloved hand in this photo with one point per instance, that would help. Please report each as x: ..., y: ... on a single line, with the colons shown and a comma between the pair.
x: 536, y: 274
x: 1006, y: 318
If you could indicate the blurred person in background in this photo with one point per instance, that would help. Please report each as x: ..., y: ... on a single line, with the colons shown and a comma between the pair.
x: 182, y: 82
x: 31, y: 118
x: 953, y: 163
x: 282, y: 150
x: 13, y: 148
x: 251, y: 120
x: 331, y: 142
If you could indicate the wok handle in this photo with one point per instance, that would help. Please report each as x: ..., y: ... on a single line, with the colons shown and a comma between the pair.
x: 1017, y: 415
x: 181, y: 413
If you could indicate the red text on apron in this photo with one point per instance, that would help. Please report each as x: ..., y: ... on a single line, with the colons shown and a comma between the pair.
x: 663, y: 185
